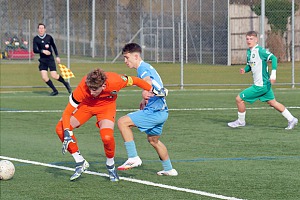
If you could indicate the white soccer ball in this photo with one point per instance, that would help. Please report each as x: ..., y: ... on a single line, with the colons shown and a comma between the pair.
x: 7, y: 170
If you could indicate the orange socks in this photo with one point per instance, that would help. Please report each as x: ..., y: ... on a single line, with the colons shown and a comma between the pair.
x: 107, y: 136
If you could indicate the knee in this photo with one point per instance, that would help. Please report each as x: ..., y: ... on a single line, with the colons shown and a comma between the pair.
x: 153, y: 142
x: 272, y: 103
x: 55, y: 76
x: 122, y: 122
x: 107, y: 138
x: 238, y: 99
x: 107, y: 135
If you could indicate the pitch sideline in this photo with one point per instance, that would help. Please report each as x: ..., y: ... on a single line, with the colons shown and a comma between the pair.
x: 202, y: 193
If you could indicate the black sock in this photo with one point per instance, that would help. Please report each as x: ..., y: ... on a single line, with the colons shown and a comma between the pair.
x: 50, y: 84
x: 62, y: 80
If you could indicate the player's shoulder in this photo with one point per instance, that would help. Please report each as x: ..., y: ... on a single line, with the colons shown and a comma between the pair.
x: 48, y: 37
x: 145, y: 64
x: 111, y: 75
x: 82, y: 84
x: 260, y: 48
x: 36, y: 37
x: 144, y: 67
x: 263, y: 50
x: 115, y: 77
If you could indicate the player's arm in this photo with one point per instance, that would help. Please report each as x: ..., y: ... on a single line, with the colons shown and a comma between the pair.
x: 54, y: 47
x: 132, y: 80
x: 66, y: 119
x: 66, y: 126
x: 75, y: 99
x: 35, y: 47
x: 161, y: 92
x: 66, y: 116
x: 267, y: 55
x: 55, y: 50
x: 157, y: 90
x: 246, y: 69
x: 274, y: 68
x: 146, y: 94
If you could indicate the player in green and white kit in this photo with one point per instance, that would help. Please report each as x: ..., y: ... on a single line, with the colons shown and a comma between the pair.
x: 257, y: 58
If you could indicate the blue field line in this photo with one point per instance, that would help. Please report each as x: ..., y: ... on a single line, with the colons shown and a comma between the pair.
x: 239, y: 159
x: 261, y: 158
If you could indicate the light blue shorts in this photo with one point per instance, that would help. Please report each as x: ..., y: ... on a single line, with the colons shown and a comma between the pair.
x: 148, y: 121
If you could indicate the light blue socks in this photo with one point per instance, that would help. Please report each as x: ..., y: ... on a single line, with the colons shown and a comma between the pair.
x: 131, y: 149
x: 167, y: 165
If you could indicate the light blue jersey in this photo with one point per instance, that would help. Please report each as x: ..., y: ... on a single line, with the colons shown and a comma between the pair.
x: 154, y: 103
x: 152, y: 118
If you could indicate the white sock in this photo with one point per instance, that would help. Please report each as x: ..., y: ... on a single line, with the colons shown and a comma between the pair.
x: 242, y: 116
x: 110, y: 161
x: 287, y: 115
x: 78, y: 157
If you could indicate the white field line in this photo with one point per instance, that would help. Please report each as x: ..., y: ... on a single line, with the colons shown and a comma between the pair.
x: 202, y: 193
x: 131, y: 109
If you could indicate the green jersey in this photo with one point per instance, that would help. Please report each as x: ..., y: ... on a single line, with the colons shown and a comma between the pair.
x: 257, y: 63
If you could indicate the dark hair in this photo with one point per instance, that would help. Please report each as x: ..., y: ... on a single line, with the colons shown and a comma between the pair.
x: 131, y: 47
x: 251, y: 33
x: 41, y: 24
x: 95, y: 79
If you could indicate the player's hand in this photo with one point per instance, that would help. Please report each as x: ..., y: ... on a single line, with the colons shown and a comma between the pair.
x: 67, y: 140
x: 273, y: 77
x: 242, y: 71
x: 163, y: 92
x: 58, y: 60
x: 147, y: 94
x: 143, y: 104
x: 46, y: 52
x: 273, y: 81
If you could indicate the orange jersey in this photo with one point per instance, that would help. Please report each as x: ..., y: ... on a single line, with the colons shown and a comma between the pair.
x: 114, y: 83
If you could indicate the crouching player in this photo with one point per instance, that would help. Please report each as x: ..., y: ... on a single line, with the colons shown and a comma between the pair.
x: 95, y: 95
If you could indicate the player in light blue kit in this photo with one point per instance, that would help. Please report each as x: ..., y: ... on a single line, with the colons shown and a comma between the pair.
x: 150, y: 118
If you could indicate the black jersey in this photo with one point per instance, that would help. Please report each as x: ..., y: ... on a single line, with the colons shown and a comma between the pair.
x: 44, y: 42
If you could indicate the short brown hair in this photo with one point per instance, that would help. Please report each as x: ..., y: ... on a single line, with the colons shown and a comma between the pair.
x: 251, y: 33
x: 95, y: 79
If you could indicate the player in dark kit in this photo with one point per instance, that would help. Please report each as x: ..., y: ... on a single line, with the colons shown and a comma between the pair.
x: 43, y: 44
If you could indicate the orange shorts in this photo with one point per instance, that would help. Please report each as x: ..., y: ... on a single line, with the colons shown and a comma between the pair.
x: 84, y: 112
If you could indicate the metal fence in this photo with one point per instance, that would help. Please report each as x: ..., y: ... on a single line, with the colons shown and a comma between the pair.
x: 177, y: 31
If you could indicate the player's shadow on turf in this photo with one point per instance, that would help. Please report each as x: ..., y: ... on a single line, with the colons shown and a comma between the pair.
x: 42, y: 93
x: 47, y: 93
x: 66, y: 174
x: 59, y: 173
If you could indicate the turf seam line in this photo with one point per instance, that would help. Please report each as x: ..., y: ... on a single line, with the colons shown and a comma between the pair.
x: 202, y: 193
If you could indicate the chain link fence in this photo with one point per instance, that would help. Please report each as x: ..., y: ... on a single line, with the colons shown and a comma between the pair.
x: 188, y: 31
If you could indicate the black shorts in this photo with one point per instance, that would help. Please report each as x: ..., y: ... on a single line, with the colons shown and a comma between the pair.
x: 45, y: 64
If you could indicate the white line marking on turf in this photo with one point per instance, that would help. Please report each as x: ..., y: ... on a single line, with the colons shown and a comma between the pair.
x: 126, y: 179
x: 131, y: 109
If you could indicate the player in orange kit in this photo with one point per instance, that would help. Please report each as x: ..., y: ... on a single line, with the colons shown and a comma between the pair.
x: 95, y: 95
